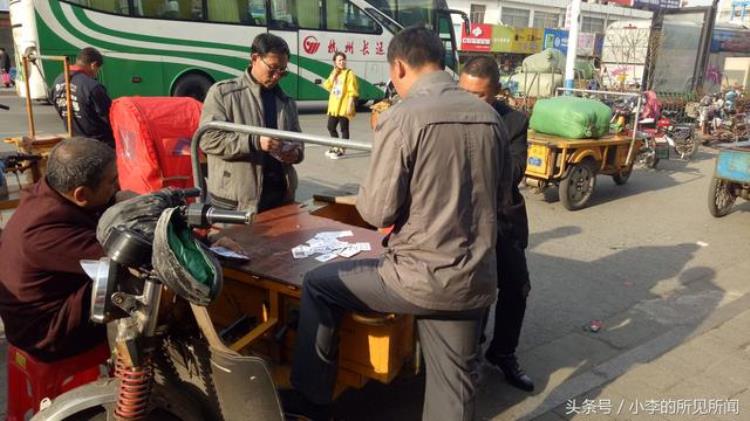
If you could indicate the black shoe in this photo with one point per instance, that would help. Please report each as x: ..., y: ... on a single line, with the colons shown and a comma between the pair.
x: 508, y: 364
x: 296, y: 404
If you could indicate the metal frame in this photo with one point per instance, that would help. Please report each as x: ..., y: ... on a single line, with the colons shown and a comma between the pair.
x: 261, y: 131
x: 629, y: 159
x: 25, y: 60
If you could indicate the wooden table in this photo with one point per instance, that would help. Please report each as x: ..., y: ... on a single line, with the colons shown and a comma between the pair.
x: 268, y: 287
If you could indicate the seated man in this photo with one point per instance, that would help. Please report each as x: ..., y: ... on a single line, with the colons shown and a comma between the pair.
x: 439, y: 172
x: 44, y: 292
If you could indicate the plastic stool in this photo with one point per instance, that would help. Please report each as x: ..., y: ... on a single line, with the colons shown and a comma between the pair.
x: 30, y: 381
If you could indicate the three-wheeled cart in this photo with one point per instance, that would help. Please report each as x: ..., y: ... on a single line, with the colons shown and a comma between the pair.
x: 731, y: 179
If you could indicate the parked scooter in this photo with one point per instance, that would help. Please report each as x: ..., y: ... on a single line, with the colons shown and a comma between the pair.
x: 151, y: 290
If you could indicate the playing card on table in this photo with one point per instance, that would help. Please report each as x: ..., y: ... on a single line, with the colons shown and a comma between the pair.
x: 326, y: 257
x: 348, y: 252
x: 363, y: 246
x: 300, y: 252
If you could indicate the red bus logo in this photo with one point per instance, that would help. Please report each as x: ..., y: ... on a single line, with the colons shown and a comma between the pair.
x: 311, y: 44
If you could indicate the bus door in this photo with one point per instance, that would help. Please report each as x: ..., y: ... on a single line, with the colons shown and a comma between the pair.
x: 283, y: 21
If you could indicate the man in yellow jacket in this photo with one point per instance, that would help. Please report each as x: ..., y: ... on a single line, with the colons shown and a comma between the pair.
x: 342, y: 102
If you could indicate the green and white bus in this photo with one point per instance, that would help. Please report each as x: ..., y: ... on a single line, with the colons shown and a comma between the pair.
x: 180, y: 47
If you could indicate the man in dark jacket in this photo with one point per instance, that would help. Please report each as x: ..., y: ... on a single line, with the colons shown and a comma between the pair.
x: 89, y: 98
x: 481, y: 76
x: 439, y: 172
x: 44, y: 293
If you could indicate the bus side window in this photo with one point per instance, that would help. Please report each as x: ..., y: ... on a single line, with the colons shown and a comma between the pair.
x: 234, y: 11
x: 343, y: 15
x: 169, y: 9
x: 284, y: 14
x: 257, y: 12
x: 310, y: 14
x: 112, y: 6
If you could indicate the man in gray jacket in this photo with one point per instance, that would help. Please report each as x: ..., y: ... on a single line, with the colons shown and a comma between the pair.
x: 253, y: 172
x: 439, y: 176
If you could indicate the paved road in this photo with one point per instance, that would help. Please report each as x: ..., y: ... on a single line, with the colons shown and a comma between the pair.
x: 646, y: 259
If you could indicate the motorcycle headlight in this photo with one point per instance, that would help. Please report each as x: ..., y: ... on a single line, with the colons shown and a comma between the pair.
x: 103, y: 286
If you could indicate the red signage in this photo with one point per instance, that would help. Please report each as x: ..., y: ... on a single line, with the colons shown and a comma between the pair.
x: 311, y: 44
x: 478, y: 39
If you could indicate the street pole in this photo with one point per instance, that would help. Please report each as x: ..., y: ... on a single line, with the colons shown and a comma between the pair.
x: 570, y: 62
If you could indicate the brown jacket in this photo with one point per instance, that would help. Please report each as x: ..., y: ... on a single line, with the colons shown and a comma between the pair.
x: 235, y: 161
x: 44, y: 292
x: 439, y: 175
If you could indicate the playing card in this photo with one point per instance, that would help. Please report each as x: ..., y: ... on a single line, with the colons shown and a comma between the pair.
x: 326, y: 257
x: 363, y: 246
x: 348, y: 252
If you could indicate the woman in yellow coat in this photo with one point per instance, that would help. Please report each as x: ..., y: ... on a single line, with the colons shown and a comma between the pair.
x: 342, y: 102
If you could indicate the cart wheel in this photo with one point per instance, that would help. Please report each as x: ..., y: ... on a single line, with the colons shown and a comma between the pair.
x: 577, y: 186
x: 721, y: 197
x: 622, y: 177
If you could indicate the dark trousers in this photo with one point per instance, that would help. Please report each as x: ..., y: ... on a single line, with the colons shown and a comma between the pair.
x: 449, y: 339
x: 514, y: 286
x: 333, y: 122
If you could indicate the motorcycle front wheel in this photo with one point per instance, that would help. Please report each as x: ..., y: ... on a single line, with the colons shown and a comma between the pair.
x: 96, y: 402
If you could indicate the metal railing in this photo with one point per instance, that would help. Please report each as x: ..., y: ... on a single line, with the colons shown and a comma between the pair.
x: 31, y: 58
x: 262, y: 131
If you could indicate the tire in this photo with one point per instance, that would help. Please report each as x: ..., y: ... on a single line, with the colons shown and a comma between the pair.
x: 647, y: 158
x: 169, y: 404
x: 623, y: 176
x: 687, y: 150
x: 577, y: 186
x: 192, y: 85
x: 720, y: 197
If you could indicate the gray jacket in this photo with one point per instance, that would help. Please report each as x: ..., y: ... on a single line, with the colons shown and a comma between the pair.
x: 439, y: 175
x: 235, y: 161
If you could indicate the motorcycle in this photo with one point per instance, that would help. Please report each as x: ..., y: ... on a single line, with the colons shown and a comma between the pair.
x: 664, y: 134
x: 152, y: 289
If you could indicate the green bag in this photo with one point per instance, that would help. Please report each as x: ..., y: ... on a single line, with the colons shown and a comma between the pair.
x: 571, y: 117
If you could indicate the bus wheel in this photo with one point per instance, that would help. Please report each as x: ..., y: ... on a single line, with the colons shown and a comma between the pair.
x: 193, y: 85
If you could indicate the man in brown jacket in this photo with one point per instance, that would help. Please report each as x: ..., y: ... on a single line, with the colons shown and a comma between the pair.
x: 253, y: 172
x: 44, y: 293
x: 439, y: 175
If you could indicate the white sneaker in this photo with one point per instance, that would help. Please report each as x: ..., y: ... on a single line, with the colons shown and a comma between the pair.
x: 335, y: 153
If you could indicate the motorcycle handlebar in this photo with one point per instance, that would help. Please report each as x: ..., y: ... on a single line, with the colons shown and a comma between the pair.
x: 223, y: 216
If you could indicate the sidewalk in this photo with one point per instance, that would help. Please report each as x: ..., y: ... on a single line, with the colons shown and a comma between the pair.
x: 688, y: 373
x: 7, y: 91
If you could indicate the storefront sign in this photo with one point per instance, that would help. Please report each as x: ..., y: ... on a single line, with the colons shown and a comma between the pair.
x: 527, y: 40
x: 733, y: 41
x: 587, y: 42
x: 478, y: 39
x: 656, y: 4
x: 502, y: 38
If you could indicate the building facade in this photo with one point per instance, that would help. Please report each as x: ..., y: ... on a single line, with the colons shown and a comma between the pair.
x: 734, y: 11
x: 545, y: 13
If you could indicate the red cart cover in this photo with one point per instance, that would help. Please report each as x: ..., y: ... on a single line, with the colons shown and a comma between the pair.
x: 152, y: 138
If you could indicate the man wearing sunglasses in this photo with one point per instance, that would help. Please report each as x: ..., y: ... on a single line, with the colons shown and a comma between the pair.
x: 253, y: 172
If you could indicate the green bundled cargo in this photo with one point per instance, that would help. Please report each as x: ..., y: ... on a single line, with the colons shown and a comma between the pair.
x: 571, y: 117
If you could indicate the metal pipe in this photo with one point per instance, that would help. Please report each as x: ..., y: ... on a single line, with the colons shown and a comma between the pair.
x: 29, y: 113
x: 151, y: 299
x: 261, y: 131
x: 68, y: 98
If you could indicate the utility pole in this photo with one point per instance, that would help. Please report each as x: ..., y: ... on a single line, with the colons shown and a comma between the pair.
x: 570, y: 62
